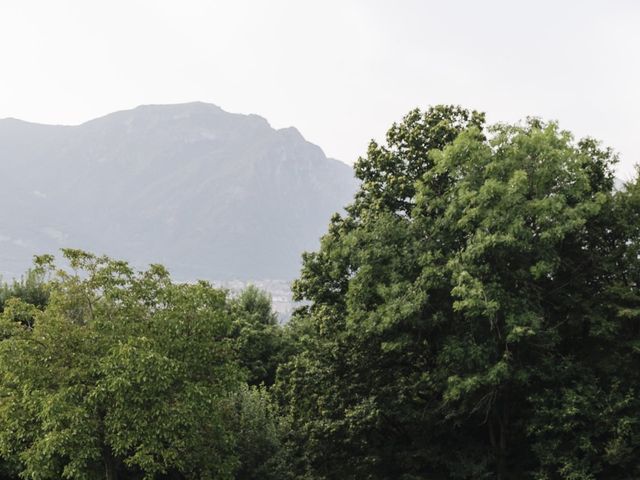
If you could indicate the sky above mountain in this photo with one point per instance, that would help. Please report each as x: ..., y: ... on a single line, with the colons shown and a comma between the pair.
x: 340, y: 71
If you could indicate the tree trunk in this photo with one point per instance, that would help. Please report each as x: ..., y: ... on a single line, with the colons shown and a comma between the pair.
x: 503, y: 421
x: 110, y: 466
x: 502, y: 454
x: 498, y: 432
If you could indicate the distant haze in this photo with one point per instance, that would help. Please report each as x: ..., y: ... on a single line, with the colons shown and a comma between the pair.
x: 340, y: 71
x: 209, y: 194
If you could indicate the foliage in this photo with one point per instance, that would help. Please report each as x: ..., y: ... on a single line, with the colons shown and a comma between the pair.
x: 20, y: 302
x: 475, y: 314
x: 260, y: 342
x: 31, y: 288
x: 260, y: 433
x: 122, y: 374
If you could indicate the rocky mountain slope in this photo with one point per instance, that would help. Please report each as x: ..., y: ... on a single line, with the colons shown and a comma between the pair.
x: 208, y: 193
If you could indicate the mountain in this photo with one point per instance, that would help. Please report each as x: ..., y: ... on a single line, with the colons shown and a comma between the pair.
x: 209, y: 194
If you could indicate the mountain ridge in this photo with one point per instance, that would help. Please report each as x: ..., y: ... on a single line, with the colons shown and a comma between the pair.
x: 209, y: 193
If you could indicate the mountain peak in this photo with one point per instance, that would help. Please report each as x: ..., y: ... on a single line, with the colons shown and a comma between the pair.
x: 186, y: 115
x: 291, y: 132
x: 187, y: 107
x: 209, y: 193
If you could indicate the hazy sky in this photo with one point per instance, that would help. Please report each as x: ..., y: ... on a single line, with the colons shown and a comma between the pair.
x: 340, y: 71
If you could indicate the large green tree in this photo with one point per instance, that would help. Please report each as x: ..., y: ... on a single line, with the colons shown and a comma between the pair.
x: 122, y: 375
x: 475, y: 314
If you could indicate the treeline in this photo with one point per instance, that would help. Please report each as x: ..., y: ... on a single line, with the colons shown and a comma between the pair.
x: 474, y: 314
x: 109, y: 373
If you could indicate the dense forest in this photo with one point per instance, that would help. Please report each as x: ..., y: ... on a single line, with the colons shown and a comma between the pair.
x: 474, y: 314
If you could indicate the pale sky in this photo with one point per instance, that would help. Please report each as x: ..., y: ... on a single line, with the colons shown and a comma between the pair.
x: 339, y: 71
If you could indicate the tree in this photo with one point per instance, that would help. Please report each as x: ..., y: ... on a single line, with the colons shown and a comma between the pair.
x: 260, y: 436
x: 122, y: 375
x: 31, y: 288
x: 260, y: 342
x: 20, y: 302
x: 475, y: 313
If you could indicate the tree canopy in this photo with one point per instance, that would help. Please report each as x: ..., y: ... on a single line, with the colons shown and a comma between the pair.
x: 122, y: 373
x: 475, y: 313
